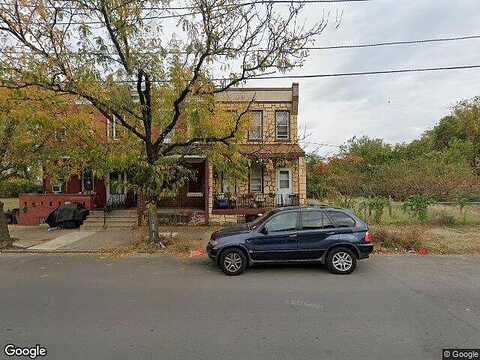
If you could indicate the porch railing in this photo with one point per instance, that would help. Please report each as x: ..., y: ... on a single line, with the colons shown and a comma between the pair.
x: 254, y: 201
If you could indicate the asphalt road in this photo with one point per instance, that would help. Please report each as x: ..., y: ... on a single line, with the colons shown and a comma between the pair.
x: 153, y: 307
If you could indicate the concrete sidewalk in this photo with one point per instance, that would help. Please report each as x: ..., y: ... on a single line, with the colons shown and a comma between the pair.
x: 39, y: 239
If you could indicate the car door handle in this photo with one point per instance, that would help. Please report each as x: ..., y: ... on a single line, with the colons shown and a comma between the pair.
x: 330, y: 233
x: 292, y: 235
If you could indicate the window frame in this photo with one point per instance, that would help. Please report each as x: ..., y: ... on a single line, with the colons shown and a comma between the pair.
x: 287, y: 138
x: 250, y: 180
x: 260, y: 138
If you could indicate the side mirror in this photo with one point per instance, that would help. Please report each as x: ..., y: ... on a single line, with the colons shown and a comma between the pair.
x: 264, y: 230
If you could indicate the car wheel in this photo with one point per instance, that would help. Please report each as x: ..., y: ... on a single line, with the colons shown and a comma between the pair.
x: 341, y: 261
x: 233, y: 262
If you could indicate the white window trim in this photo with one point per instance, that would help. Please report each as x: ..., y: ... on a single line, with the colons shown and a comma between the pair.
x: 261, y: 181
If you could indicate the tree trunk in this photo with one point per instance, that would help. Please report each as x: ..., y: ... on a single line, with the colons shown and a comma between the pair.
x: 153, y: 236
x: 4, y: 233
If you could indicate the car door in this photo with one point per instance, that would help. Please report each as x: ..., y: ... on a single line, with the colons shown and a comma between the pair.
x: 276, y: 239
x: 315, y: 231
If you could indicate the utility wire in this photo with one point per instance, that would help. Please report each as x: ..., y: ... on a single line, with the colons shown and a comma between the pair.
x: 337, y: 47
x: 360, y: 73
x: 166, y: 8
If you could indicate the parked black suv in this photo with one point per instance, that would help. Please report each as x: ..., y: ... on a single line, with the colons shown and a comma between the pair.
x: 325, y: 235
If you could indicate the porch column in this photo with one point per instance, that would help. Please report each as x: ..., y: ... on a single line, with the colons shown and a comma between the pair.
x: 208, y: 192
x: 302, y: 181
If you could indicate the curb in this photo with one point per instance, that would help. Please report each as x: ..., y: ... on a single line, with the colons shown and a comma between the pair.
x: 26, y: 251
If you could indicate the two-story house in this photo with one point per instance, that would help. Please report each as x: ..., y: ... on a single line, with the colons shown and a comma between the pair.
x: 276, y: 176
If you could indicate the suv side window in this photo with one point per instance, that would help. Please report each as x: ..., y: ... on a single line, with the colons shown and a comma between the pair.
x: 341, y: 219
x: 314, y: 220
x: 282, y: 222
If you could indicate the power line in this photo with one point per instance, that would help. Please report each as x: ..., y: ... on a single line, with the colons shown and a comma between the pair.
x: 360, y: 73
x: 335, y: 47
x: 390, y: 43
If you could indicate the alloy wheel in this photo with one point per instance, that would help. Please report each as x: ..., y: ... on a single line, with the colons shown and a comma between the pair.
x: 232, y: 262
x: 342, y: 261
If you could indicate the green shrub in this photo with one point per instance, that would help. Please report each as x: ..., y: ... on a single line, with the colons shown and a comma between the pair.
x: 11, y: 188
x: 417, y: 206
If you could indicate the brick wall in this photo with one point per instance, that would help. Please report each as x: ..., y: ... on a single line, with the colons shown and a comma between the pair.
x: 34, y: 208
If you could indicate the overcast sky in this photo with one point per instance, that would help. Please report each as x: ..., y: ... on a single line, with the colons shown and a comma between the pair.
x: 396, y: 107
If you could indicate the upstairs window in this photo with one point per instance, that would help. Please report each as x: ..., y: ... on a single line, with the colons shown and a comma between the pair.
x: 256, y: 179
x: 282, y: 125
x: 112, y: 129
x: 255, y: 131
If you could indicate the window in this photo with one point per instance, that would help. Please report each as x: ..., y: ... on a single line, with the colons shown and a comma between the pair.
x: 313, y: 220
x: 256, y: 179
x: 116, y: 183
x: 282, y: 120
x: 341, y: 219
x: 284, y: 179
x: 282, y: 222
x: 59, y: 186
x: 87, y: 180
x: 229, y: 184
x: 114, y: 128
x: 255, y: 132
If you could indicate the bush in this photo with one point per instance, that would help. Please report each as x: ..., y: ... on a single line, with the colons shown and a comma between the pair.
x: 11, y: 189
x: 398, y: 238
x: 417, y: 206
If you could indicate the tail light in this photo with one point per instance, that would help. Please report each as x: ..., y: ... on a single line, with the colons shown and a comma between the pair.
x: 368, y: 238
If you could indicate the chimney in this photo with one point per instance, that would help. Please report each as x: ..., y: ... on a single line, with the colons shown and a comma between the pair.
x: 294, y: 98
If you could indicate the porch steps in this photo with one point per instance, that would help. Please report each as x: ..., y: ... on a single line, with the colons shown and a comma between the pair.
x: 116, y: 219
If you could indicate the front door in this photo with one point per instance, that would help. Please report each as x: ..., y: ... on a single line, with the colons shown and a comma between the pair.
x: 116, y: 190
x: 278, y: 238
x: 284, y: 187
x: 315, y: 231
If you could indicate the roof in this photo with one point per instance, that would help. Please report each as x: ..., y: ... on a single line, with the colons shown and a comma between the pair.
x: 272, y: 151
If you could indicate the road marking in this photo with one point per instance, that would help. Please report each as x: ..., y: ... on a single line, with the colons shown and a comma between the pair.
x: 63, y: 240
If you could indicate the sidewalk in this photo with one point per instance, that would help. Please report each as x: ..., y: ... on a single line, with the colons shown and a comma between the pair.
x: 37, y: 239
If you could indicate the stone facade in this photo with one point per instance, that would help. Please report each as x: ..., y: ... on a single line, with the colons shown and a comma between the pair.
x: 269, y: 153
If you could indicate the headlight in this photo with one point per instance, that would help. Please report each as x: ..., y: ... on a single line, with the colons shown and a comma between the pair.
x: 213, y: 242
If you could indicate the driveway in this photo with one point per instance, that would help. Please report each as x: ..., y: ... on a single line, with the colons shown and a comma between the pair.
x: 157, y: 307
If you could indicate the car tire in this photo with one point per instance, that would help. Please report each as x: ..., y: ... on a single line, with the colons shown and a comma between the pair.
x: 341, y: 260
x: 233, y: 262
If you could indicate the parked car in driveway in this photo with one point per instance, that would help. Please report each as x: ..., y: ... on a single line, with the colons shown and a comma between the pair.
x: 325, y: 235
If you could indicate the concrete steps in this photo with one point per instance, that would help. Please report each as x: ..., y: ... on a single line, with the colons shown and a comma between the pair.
x: 116, y: 219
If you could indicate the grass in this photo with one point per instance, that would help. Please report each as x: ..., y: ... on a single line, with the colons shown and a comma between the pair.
x: 443, y: 215
x: 9, y: 203
x: 440, y: 240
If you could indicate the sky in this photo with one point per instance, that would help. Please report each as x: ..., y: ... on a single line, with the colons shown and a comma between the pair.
x: 399, y: 107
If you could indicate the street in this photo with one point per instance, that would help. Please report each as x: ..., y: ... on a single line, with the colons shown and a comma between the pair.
x: 158, y: 307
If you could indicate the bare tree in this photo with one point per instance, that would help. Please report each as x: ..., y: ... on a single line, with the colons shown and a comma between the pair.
x: 148, y: 65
